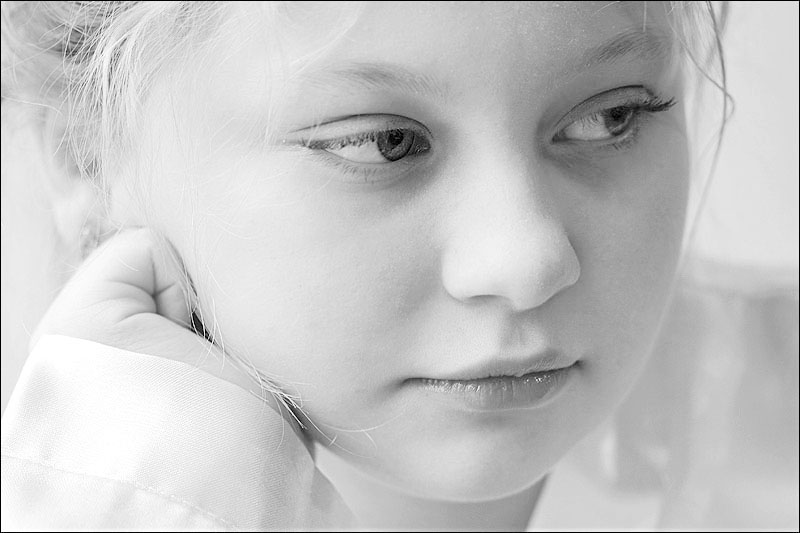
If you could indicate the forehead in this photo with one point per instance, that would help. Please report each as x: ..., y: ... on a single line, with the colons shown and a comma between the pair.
x: 467, y: 50
x: 544, y: 33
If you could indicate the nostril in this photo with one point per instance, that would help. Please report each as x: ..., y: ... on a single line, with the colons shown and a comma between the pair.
x: 541, y: 281
x: 526, y: 275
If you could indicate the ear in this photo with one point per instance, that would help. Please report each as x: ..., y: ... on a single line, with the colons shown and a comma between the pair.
x: 85, y: 205
x: 74, y: 198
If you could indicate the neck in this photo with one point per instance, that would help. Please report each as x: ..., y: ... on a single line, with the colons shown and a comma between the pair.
x: 380, y: 507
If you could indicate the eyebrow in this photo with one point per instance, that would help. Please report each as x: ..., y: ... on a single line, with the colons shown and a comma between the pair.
x: 632, y: 43
x: 647, y: 46
x: 381, y: 76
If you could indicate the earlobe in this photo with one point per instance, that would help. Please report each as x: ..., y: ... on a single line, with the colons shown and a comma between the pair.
x: 77, y: 217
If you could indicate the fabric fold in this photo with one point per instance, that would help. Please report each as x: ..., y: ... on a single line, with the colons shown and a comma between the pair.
x: 151, y: 443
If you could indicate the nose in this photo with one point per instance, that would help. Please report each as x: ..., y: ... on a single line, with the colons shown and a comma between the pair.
x: 506, y: 239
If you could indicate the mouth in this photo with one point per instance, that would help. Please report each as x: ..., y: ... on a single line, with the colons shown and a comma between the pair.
x: 533, y: 387
x: 510, y: 365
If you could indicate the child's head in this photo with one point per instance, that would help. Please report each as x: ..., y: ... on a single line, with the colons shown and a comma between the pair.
x: 365, y: 196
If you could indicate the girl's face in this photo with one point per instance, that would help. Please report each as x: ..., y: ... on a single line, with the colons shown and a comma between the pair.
x: 447, y: 191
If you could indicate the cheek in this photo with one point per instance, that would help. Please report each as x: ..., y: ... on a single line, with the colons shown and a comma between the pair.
x: 649, y: 233
x: 631, y: 258
x: 307, y: 293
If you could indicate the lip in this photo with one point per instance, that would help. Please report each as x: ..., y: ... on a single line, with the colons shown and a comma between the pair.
x: 511, y: 365
x: 524, y: 385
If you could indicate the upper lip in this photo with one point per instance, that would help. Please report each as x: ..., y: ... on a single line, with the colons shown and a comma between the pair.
x: 516, y: 365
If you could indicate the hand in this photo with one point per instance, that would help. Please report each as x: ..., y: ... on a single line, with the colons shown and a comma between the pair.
x: 127, y: 295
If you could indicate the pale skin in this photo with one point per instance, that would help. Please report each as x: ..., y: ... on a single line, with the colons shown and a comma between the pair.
x: 519, y: 222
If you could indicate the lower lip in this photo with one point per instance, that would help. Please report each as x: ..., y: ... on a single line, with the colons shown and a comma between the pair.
x: 503, y: 392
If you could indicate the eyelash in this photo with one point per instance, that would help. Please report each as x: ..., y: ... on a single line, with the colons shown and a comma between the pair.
x: 364, y: 172
x: 641, y: 107
x: 357, y: 171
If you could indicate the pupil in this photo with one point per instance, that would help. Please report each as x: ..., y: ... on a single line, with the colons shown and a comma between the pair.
x: 394, y: 137
x: 394, y: 144
x: 617, y: 118
x: 618, y: 114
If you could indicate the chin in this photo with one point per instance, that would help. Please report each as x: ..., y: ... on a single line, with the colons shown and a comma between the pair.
x: 466, y: 474
x: 480, y: 485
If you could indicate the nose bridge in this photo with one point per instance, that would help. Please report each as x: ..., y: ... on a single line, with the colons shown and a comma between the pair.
x: 507, y: 239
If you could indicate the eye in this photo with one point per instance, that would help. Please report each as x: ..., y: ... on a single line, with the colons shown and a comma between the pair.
x: 612, y: 118
x: 375, y: 147
x: 369, y: 149
x: 601, y: 126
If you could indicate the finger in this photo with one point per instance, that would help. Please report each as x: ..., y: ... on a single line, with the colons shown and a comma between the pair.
x: 173, y: 294
x: 126, y: 276
x: 132, y: 294
x: 141, y: 269
x: 148, y: 264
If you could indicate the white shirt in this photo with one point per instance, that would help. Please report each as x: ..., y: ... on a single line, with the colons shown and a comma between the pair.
x: 100, y: 438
